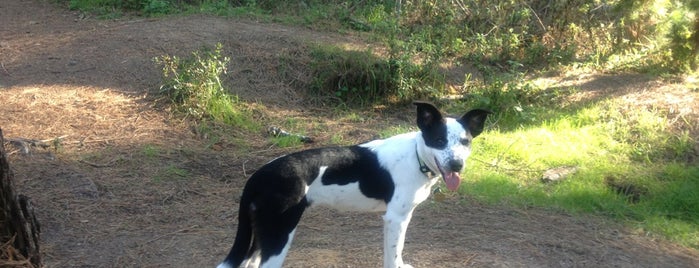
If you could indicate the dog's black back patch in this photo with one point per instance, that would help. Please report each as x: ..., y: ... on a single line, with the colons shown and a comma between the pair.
x: 359, y: 164
x: 344, y: 165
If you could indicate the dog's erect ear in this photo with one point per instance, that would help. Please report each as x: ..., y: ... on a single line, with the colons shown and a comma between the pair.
x: 474, y: 120
x: 427, y: 115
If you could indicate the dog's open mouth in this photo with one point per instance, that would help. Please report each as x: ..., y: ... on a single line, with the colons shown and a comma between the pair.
x: 451, y: 178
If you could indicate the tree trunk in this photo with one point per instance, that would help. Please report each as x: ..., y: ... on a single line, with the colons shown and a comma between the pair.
x: 19, y: 229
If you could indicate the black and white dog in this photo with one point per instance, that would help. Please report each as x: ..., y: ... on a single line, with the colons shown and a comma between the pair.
x: 392, y: 175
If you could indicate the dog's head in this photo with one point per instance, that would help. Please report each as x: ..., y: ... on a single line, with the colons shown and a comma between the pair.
x: 446, y: 142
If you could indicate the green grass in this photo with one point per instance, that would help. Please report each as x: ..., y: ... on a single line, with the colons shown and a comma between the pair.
x: 286, y: 141
x: 604, y: 140
x: 150, y: 151
x: 395, y: 130
x: 171, y: 172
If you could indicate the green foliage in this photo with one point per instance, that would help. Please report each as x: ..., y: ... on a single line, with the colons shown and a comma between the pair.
x: 361, y: 77
x: 535, y: 33
x: 681, y: 43
x: 351, y: 76
x: 157, y: 7
x: 656, y: 36
x: 518, y: 102
x: 100, y: 7
x: 194, y: 85
x: 110, y: 8
x: 497, y: 32
x: 227, y: 8
x: 88, y: 5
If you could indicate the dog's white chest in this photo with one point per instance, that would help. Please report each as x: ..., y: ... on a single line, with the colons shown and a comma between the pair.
x: 424, y: 191
x: 345, y: 197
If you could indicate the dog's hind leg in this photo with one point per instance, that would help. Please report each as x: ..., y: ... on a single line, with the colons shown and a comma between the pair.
x: 253, y: 261
x: 275, y: 261
x: 274, y: 233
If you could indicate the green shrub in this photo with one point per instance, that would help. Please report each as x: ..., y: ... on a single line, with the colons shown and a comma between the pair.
x: 351, y: 76
x: 194, y: 85
x: 110, y: 8
x: 360, y: 77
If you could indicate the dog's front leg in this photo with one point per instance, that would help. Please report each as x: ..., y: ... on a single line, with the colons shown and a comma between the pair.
x: 394, y: 228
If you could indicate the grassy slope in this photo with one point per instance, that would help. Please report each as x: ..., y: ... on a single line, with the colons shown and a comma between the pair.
x: 632, y: 163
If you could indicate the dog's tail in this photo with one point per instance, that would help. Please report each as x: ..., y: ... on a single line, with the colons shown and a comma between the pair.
x: 242, y: 246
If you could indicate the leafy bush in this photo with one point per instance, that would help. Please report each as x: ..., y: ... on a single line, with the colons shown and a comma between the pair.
x: 194, y: 85
x: 360, y: 77
x: 351, y: 76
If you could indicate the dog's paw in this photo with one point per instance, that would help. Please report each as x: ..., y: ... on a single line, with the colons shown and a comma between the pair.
x: 406, y: 266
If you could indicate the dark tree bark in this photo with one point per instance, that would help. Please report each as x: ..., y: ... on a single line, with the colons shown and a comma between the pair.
x: 19, y: 228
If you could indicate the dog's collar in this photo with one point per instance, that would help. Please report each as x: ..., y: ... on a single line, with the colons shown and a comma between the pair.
x: 423, y: 166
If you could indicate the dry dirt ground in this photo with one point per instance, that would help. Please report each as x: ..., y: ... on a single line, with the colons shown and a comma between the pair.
x: 126, y: 184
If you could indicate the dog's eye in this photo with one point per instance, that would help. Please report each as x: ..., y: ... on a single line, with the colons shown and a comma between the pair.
x: 465, y: 142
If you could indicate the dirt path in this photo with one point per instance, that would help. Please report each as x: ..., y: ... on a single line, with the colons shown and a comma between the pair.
x: 129, y: 186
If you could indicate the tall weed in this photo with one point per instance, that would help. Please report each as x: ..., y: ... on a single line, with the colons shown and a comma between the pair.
x: 194, y: 85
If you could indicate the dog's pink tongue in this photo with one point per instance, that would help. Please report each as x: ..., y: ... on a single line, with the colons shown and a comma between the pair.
x: 452, y: 179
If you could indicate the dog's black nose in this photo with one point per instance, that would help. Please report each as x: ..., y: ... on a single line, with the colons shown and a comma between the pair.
x: 456, y: 165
